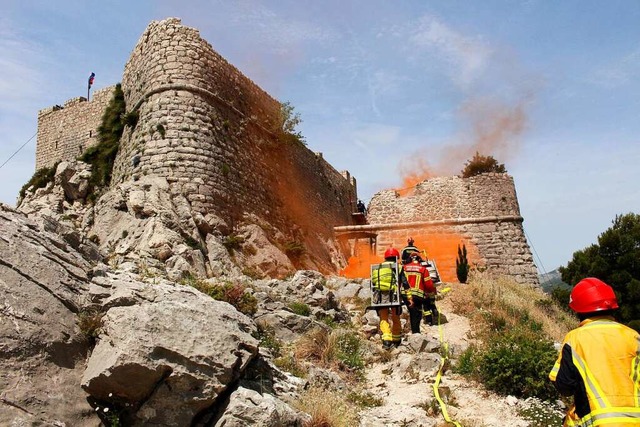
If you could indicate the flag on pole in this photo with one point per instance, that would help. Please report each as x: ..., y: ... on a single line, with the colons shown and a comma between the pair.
x: 91, y: 77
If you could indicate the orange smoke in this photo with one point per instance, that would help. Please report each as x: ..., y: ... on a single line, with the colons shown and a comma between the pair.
x: 360, y: 262
x: 417, y: 170
x: 441, y: 247
x: 492, y: 129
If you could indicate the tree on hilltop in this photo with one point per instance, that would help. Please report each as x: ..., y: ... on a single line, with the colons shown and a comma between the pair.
x: 615, y: 259
x: 482, y: 164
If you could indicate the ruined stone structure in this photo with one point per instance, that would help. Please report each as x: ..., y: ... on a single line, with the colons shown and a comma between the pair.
x: 66, y: 131
x: 217, y: 139
x: 481, y: 212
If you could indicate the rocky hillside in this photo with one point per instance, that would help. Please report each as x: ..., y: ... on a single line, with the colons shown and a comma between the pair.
x: 89, y: 339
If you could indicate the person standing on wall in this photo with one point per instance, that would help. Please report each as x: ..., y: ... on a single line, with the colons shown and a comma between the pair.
x: 421, y: 290
x: 599, y: 362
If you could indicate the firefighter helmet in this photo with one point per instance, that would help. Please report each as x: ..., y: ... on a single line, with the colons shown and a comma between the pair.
x: 391, y: 253
x: 591, y: 295
x: 410, y: 241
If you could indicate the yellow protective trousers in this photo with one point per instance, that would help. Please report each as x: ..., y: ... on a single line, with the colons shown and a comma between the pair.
x: 390, y: 326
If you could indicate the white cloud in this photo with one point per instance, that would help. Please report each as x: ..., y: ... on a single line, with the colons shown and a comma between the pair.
x: 468, y: 56
x: 620, y: 73
x: 18, y: 72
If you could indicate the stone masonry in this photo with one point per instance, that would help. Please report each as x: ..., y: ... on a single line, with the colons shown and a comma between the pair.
x: 481, y: 212
x: 66, y: 131
x: 217, y: 138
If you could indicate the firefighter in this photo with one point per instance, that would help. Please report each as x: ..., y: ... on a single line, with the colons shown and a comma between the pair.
x: 599, y: 362
x: 421, y: 290
x: 408, y: 250
x: 390, y: 325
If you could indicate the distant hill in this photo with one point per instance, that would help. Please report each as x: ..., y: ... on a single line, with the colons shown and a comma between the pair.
x: 550, y: 280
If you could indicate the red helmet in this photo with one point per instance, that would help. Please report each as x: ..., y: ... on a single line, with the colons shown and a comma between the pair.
x: 591, y: 295
x: 391, y: 253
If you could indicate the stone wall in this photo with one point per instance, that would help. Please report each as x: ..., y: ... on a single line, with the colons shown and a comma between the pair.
x: 214, y: 135
x: 481, y: 212
x: 65, y: 131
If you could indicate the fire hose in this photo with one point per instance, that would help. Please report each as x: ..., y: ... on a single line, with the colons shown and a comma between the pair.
x: 445, y: 357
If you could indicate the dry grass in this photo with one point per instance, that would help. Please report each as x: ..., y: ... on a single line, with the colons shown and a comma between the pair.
x: 509, y: 301
x: 327, y: 409
x: 318, y: 345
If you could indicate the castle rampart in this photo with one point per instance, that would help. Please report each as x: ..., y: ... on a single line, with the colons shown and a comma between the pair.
x: 481, y: 212
x: 64, y: 132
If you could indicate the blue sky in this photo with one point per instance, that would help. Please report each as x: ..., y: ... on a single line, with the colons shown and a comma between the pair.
x: 550, y: 89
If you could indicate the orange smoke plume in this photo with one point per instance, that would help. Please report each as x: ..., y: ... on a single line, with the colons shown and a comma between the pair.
x: 493, y: 129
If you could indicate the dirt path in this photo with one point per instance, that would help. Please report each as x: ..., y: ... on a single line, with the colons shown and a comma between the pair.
x: 408, y: 395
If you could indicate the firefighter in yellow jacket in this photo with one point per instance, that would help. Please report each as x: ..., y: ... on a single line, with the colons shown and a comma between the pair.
x: 390, y: 325
x: 599, y: 362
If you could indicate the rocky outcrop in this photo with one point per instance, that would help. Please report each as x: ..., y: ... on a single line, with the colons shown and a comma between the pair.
x: 166, y: 351
x: 43, y: 288
x: 149, y: 221
x: 83, y: 343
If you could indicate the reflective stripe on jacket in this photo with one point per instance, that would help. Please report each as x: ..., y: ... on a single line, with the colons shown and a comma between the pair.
x: 419, y: 280
x: 599, y: 366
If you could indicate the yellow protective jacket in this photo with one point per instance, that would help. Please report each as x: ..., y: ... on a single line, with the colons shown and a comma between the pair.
x: 599, y: 366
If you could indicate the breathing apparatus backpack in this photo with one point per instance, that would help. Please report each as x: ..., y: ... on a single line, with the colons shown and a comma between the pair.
x: 385, y: 289
x: 383, y: 277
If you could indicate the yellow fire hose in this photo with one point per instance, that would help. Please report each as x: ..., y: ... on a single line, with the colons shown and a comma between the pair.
x: 436, y: 384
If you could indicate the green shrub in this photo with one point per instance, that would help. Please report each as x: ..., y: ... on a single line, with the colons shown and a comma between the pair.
x: 233, y: 242
x: 349, y: 350
x: 290, y: 364
x: 102, y: 155
x: 288, y: 121
x: 482, y: 164
x: 300, y: 308
x: 131, y: 118
x: 192, y: 243
x: 462, y: 264
x: 267, y: 337
x: 234, y: 293
x: 294, y: 249
x: 40, y: 179
x: 516, y: 363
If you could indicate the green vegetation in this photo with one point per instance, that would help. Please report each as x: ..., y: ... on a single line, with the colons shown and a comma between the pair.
x: 462, y: 264
x: 300, y: 308
x: 233, y: 242
x: 364, y: 399
x: 515, y: 326
x: 102, y: 155
x: 234, y: 293
x: 481, y: 164
x: 90, y: 324
x: 294, y: 249
x: 288, y: 121
x: 338, y: 348
x: 513, y: 362
x: 40, y: 179
x: 614, y: 260
x: 267, y: 337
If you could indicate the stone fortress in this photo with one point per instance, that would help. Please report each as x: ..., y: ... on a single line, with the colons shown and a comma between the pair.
x: 214, y: 136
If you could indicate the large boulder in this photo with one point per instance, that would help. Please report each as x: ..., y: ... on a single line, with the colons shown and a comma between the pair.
x: 43, y: 284
x: 248, y: 408
x: 167, y: 352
